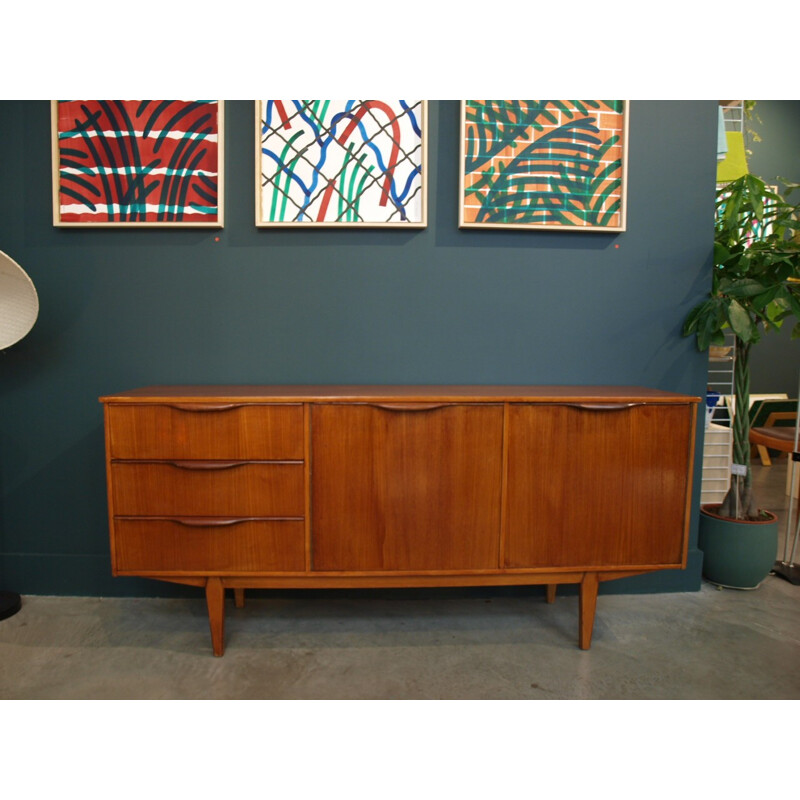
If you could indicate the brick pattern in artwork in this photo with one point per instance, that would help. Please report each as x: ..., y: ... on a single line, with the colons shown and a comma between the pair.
x: 544, y: 163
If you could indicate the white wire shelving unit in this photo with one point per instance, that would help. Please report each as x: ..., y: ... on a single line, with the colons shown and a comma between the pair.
x: 718, y: 441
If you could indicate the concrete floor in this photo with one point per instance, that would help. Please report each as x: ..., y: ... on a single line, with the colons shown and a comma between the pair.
x: 711, y: 644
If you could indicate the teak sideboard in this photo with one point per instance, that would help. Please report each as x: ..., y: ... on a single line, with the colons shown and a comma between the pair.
x: 397, y: 486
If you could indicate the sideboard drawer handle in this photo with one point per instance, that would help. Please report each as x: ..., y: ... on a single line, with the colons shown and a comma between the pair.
x: 204, y: 406
x: 219, y: 522
x: 206, y: 465
x: 603, y: 406
x: 207, y: 522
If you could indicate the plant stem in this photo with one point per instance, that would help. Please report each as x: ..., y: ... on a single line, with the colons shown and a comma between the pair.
x: 741, y: 419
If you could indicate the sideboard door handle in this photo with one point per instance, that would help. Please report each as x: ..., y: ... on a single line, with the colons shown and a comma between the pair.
x: 410, y: 406
x: 603, y: 406
x: 204, y: 406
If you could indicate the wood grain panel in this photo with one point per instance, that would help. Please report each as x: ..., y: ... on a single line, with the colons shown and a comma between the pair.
x: 206, y: 431
x: 197, y: 488
x: 597, y: 486
x: 153, y: 545
x: 406, y: 488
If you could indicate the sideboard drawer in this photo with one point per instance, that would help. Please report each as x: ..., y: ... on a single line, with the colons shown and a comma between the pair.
x: 208, y: 488
x: 197, y: 545
x: 206, y: 431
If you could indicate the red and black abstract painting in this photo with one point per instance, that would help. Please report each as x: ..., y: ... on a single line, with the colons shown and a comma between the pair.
x: 152, y: 162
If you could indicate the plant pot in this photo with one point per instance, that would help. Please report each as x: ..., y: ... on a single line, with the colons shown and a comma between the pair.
x: 737, y: 554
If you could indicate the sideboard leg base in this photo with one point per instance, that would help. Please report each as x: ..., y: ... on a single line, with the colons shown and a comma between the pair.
x: 588, y: 606
x: 551, y: 592
x: 238, y: 598
x: 215, y: 600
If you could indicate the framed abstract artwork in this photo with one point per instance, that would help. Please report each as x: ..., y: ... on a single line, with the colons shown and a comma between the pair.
x: 543, y: 164
x: 146, y: 163
x: 340, y: 163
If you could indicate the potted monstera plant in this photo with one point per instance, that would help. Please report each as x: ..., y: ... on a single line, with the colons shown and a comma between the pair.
x: 755, y: 288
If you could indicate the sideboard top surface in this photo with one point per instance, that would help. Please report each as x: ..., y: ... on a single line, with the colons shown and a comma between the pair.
x: 300, y: 393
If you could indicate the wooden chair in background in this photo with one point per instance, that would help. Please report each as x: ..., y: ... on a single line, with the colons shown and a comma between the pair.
x: 772, y: 427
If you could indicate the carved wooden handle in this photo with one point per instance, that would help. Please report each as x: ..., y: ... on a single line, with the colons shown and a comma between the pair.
x: 218, y: 522
x: 204, y: 406
x: 603, y: 406
x: 410, y: 406
x: 207, y: 522
x: 203, y: 465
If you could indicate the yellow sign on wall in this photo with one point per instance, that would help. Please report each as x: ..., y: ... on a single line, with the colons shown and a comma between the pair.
x: 734, y: 164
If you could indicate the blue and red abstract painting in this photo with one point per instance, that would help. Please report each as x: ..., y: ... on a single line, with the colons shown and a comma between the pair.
x: 341, y: 162
x: 122, y: 162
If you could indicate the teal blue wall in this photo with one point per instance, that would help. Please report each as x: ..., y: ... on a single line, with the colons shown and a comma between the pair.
x: 775, y: 363
x: 126, y: 308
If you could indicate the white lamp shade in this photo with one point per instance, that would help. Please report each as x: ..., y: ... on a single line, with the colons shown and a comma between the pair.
x: 19, y: 303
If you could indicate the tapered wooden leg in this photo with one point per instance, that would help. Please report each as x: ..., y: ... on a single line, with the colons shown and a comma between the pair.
x: 551, y: 592
x: 238, y: 598
x: 588, y: 605
x: 215, y: 600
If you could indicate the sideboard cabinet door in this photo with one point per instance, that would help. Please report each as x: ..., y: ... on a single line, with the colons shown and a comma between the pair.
x: 388, y: 493
x: 597, y: 485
